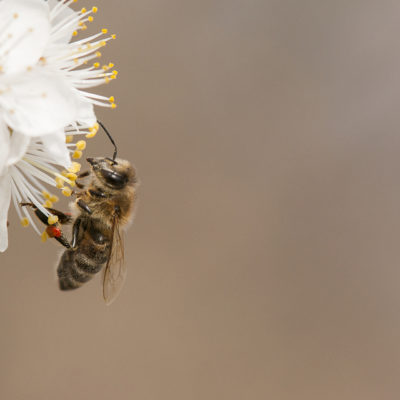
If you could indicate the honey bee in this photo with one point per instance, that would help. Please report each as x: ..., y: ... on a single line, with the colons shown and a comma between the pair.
x: 100, y: 214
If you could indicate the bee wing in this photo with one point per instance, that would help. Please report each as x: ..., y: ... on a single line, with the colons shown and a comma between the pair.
x: 115, y: 271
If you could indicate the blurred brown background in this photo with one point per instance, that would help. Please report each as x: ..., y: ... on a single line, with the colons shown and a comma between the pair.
x: 264, y: 262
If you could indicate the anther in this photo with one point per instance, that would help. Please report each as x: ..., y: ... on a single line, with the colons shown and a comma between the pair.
x: 24, y: 222
x: 75, y: 167
x: 72, y: 176
x: 44, y: 236
x: 66, y: 191
x: 83, y: 10
x: 111, y: 99
x: 104, y: 30
x: 94, y: 9
x: 81, y: 145
x: 47, y: 204
x: 96, y: 65
x: 90, y: 18
x: 69, y: 138
x: 52, y: 219
x: 77, y: 154
x: 54, y: 198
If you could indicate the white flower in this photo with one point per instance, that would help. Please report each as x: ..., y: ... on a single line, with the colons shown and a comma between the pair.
x: 43, y: 82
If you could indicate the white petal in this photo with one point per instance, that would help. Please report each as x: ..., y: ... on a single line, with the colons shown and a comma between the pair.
x: 56, y: 148
x: 86, y: 115
x: 18, y: 145
x: 24, y: 33
x: 5, y: 197
x: 38, y: 103
x: 64, y: 13
x: 4, y: 145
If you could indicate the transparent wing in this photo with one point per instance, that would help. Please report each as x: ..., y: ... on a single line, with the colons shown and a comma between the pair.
x: 115, y: 271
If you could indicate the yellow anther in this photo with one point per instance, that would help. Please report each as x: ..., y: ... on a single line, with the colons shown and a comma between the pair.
x: 105, y: 67
x: 46, y: 194
x: 80, y: 23
x: 104, y: 30
x: 83, y: 10
x: 77, y: 154
x: 59, y: 182
x: 74, y: 33
x: 76, y: 61
x: 44, y: 236
x: 48, y: 204
x: 69, y: 138
x: 72, y: 183
x: 84, y: 27
x: 66, y: 191
x: 96, y: 65
x: 94, y: 9
x: 54, y: 198
x: 113, y: 105
x: 81, y: 145
x: 98, y: 54
x: 74, y: 1
x: 90, y: 18
x: 91, y: 135
x: 107, y: 79
x: 75, y: 167
x: 103, y: 43
x: 72, y: 176
x: 24, y: 222
x: 115, y: 72
x: 113, y: 36
x: 64, y: 173
x: 111, y: 99
x: 89, y: 46
x: 52, y: 219
x: 15, y: 15
x: 113, y: 77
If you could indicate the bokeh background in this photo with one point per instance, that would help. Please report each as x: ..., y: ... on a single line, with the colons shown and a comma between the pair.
x: 264, y: 261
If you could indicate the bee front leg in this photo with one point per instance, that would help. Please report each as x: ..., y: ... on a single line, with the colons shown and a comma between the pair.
x: 84, y: 206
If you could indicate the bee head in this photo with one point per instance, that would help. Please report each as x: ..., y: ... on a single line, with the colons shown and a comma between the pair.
x: 114, y: 174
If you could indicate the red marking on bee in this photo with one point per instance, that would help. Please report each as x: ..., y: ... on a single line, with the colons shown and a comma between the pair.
x: 53, y: 231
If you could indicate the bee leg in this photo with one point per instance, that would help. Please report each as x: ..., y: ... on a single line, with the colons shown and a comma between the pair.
x: 63, y: 218
x: 84, y: 206
x: 75, y: 232
x: 52, y: 230
x: 97, y: 193
x: 83, y: 174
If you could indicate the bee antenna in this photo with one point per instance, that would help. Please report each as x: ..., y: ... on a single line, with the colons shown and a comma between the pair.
x: 109, y: 136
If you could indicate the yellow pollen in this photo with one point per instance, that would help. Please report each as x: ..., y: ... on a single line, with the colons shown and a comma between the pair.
x: 113, y: 36
x: 66, y: 191
x: 96, y: 65
x: 44, y: 236
x: 74, y: 33
x: 24, y: 222
x: 113, y: 105
x: 48, y: 204
x: 104, y: 30
x: 105, y: 67
x: 91, y: 135
x: 81, y: 145
x: 84, y: 27
x: 72, y: 176
x: 90, y: 18
x: 69, y: 138
x: 59, y: 182
x: 45, y: 194
x: 74, y: 1
x: 83, y: 10
x: 64, y: 173
x: 111, y: 99
x: 110, y: 65
x: 103, y: 43
x: 115, y: 72
x: 72, y: 183
x: 80, y: 23
x: 107, y: 79
x: 94, y: 9
x: 75, y: 167
x: 54, y: 198
x: 98, y: 54
x: 113, y: 77
x: 77, y: 154
x: 52, y: 219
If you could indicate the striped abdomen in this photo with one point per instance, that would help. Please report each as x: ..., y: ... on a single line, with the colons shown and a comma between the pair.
x: 79, y: 265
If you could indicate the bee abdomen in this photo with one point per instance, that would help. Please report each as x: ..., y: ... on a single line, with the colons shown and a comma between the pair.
x: 79, y: 266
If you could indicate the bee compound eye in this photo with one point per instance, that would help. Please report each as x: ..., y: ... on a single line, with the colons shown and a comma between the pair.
x: 114, y: 178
